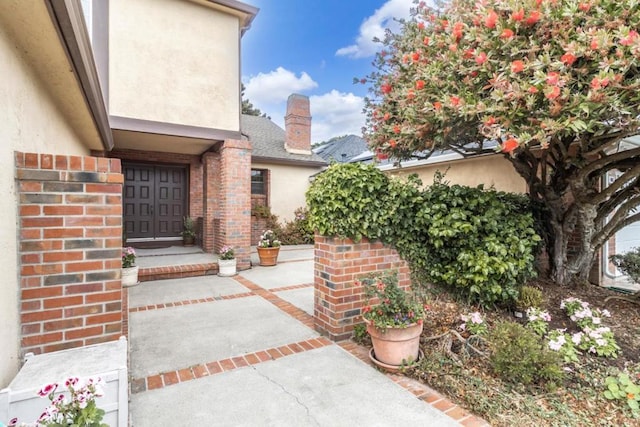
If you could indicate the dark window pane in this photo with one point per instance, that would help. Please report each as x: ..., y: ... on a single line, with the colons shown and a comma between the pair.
x: 258, y: 181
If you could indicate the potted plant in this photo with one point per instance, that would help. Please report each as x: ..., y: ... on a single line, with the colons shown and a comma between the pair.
x: 129, y: 269
x: 188, y: 231
x: 226, y: 262
x: 268, y: 248
x: 394, y: 323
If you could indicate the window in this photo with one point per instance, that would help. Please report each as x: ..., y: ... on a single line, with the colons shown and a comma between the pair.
x: 259, y: 181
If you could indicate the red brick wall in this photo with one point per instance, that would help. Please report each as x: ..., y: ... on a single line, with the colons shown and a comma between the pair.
x: 70, y: 210
x: 233, y: 219
x: 297, y: 123
x: 338, y: 262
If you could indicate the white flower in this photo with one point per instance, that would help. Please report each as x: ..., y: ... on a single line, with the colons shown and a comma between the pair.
x: 576, y: 338
x: 606, y: 313
x: 476, y: 318
x: 601, y: 342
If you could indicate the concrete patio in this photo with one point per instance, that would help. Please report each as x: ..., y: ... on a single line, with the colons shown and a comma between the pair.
x: 242, y: 351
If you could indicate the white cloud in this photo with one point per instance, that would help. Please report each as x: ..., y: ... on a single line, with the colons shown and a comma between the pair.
x: 374, y: 26
x: 275, y: 86
x: 335, y: 114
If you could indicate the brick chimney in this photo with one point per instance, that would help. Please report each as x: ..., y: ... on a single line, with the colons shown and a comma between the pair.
x: 297, y: 123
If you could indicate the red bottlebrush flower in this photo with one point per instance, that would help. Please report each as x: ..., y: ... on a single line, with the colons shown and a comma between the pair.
x: 491, y: 19
x: 380, y: 155
x: 568, y: 58
x: 553, y: 78
x: 366, y: 309
x: 517, y: 66
x: 630, y: 39
x: 385, y: 88
x: 396, y: 129
x: 455, y: 100
x: 553, y: 92
x: 392, y: 143
x: 594, y: 44
x: 453, y: 47
x: 410, y: 94
x: 437, y: 105
x: 426, y: 41
x: 420, y: 84
x: 532, y: 89
x: 457, y: 30
x: 415, y: 56
x: 490, y: 121
x: 444, y: 23
x: 507, y: 33
x: 509, y: 145
x: 533, y: 17
x: 584, y: 7
x: 598, y: 83
x: 469, y: 53
x: 517, y: 15
x: 421, y: 25
x: 474, y: 73
x: 386, y: 116
x: 481, y: 58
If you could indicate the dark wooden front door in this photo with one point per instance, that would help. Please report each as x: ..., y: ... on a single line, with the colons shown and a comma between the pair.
x: 154, y: 201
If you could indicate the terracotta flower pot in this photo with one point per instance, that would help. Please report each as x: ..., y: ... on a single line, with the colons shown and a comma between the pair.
x: 395, y: 345
x: 268, y: 256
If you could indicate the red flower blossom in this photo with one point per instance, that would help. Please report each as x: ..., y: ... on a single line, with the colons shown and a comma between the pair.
x: 517, y: 15
x: 474, y: 73
x: 415, y: 56
x: 481, y: 58
x: 366, y: 309
x: 517, y: 66
x: 509, y: 145
x: 533, y: 17
x: 598, y: 83
x: 568, y: 58
x: 594, y: 44
x: 553, y: 92
x: 410, y: 94
x: 420, y: 84
x: 453, y: 47
x: 491, y: 19
x: 392, y: 143
x: 385, y: 88
x: 553, y: 78
x: 444, y: 23
x: 437, y: 105
x: 490, y: 121
x: 584, y: 7
x: 457, y: 30
x: 396, y: 129
x: 455, y: 100
x: 507, y: 33
x: 386, y: 116
x: 421, y: 25
x: 426, y: 41
x: 533, y: 89
x: 630, y: 39
x: 380, y: 155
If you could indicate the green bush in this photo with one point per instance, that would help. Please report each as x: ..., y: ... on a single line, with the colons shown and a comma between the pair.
x: 347, y: 200
x: 298, y: 231
x: 477, y: 243
x: 528, y: 297
x: 518, y: 355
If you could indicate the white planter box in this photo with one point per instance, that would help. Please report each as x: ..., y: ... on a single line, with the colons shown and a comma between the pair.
x: 107, y: 360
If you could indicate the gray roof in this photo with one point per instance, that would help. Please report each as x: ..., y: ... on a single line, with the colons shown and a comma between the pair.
x: 342, y: 149
x: 267, y: 140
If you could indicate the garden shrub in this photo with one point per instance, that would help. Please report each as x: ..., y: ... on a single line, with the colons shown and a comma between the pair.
x: 348, y: 200
x: 477, y: 243
x: 628, y: 263
x: 528, y: 297
x: 298, y: 231
x: 518, y: 355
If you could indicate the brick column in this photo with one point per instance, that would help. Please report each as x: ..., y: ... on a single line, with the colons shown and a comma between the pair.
x: 211, y: 205
x: 233, y: 222
x: 70, y: 210
x: 338, y: 263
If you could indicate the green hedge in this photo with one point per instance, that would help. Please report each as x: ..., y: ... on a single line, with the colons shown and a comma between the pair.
x: 478, y: 243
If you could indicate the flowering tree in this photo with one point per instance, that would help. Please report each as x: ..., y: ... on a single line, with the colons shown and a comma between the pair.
x: 553, y: 84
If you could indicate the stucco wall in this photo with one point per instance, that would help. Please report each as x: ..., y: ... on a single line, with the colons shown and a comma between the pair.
x: 184, y: 58
x: 492, y: 170
x: 287, y: 187
x: 31, y: 121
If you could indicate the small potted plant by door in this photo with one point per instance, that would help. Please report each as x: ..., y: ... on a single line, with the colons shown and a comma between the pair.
x: 129, y: 269
x: 226, y: 262
x: 268, y: 248
x: 394, y: 320
x: 188, y: 231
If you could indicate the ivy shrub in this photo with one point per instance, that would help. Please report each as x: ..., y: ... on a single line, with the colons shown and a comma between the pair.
x: 347, y: 200
x: 477, y: 243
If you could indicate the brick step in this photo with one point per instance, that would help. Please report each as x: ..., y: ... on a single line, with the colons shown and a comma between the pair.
x: 177, y: 271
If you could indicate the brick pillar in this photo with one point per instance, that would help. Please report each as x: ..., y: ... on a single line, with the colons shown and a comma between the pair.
x: 297, y: 123
x: 211, y: 205
x: 233, y: 222
x: 70, y: 211
x: 338, y: 263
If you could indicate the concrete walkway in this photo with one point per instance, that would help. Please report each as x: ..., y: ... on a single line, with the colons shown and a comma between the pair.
x: 242, y: 351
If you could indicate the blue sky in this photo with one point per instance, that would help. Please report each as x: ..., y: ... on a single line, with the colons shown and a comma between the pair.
x: 316, y: 48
